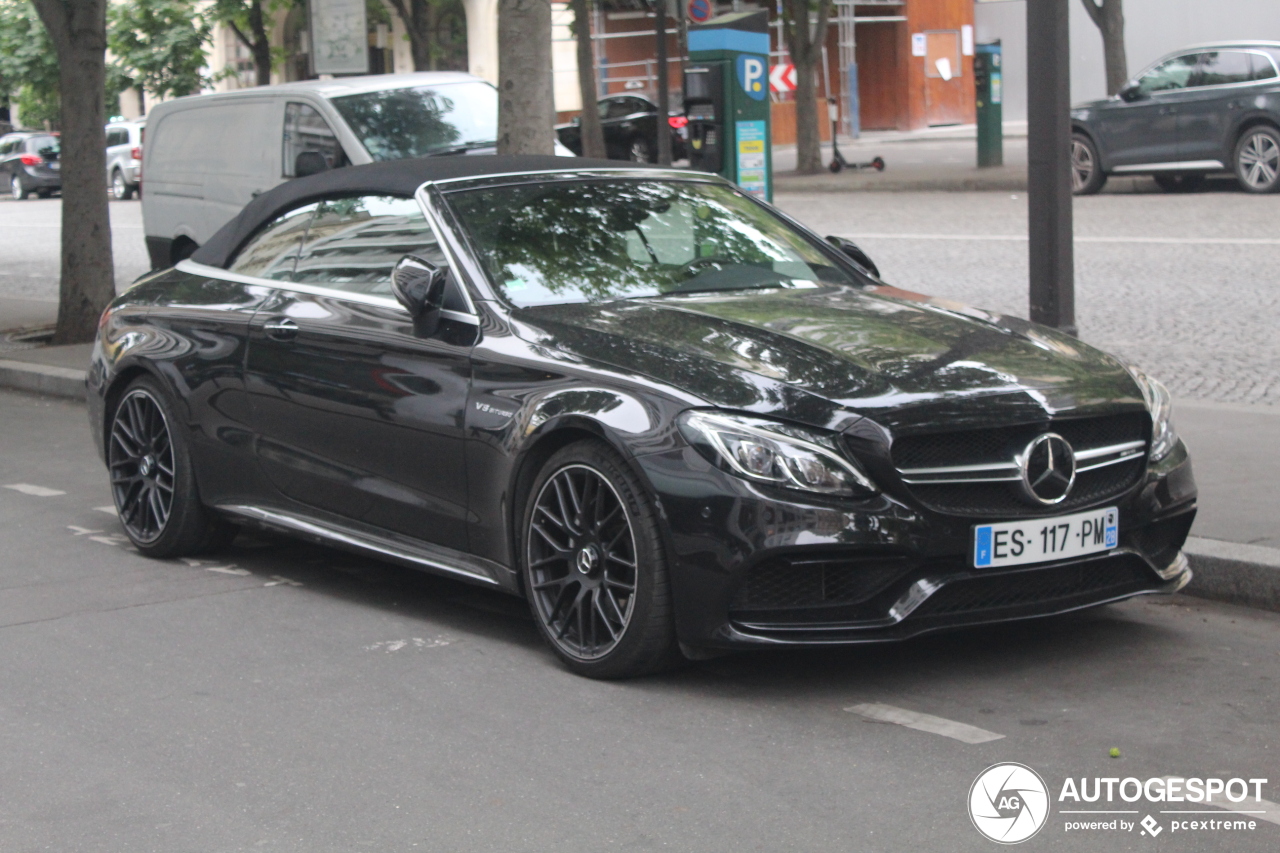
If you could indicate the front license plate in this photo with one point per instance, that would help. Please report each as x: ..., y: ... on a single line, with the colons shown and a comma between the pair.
x: 1017, y: 543
x: 56, y: 165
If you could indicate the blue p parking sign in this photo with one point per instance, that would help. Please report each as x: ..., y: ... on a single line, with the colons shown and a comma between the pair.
x: 753, y: 75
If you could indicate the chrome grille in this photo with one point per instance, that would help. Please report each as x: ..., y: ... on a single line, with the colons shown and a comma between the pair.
x: 977, y: 472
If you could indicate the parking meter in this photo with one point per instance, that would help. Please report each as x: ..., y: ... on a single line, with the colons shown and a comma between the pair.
x: 726, y: 99
x: 989, y: 86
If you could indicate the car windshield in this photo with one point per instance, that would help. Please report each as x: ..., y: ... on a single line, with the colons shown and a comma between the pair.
x: 581, y: 241
x: 395, y: 124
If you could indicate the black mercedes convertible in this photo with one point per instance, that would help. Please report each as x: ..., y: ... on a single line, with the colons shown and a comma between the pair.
x: 671, y: 417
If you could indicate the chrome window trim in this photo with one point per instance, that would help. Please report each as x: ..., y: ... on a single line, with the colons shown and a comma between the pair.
x: 191, y: 267
x: 605, y: 171
x: 468, y: 271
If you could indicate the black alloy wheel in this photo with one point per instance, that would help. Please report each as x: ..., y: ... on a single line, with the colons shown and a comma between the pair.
x: 1087, y: 176
x: 17, y: 189
x: 1258, y: 160
x: 594, y: 568
x: 152, y: 481
x: 1179, y: 182
x: 640, y: 152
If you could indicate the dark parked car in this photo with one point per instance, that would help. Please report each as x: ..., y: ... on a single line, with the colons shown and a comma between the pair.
x: 673, y: 418
x: 29, y: 164
x: 1212, y: 108
x: 630, y: 125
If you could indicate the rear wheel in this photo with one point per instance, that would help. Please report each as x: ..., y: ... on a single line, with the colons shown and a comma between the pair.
x: 640, y: 152
x: 1179, y: 182
x: 594, y: 567
x: 152, y: 480
x: 120, y: 187
x: 1087, y: 176
x: 1258, y: 160
x: 16, y: 188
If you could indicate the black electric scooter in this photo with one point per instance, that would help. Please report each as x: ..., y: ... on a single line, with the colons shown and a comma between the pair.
x: 837, y: 159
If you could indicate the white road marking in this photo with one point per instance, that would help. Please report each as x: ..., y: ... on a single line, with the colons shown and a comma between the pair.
x: 277, y: 580
x: 877, y: 713
x: 34, y: 491
x: 1261, y: 809
x: 110, y: 539
x: 109, y: 510
x: 230, y: 569
x: 1022, y: 238
x: 413, y: 642
x: 81, y: 531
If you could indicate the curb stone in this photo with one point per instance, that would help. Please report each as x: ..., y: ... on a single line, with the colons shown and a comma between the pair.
x: 43, y: 379
x: 1222, y: 571
x: 1234, y: 573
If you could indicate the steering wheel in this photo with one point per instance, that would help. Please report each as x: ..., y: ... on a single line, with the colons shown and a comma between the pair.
x: 695, y: 265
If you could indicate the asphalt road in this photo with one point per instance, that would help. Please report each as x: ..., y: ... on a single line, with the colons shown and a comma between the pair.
x: 286, y: 697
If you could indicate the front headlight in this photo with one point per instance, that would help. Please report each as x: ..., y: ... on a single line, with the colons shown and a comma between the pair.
x: 1160, y: 405
x: 778, y: 454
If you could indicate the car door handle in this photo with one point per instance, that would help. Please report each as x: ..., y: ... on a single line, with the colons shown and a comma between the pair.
x: 282, y: 329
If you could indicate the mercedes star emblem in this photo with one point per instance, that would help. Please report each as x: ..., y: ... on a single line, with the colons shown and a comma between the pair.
x: 1048, y: 469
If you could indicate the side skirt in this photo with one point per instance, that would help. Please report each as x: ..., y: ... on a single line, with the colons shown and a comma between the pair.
x: 417, y: 555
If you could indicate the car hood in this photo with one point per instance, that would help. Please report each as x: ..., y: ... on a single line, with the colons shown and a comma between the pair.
x: 820, y: 355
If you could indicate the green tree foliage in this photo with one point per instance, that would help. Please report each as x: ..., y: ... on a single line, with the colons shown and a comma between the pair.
x: 28, y: 64
x: 159, y: 44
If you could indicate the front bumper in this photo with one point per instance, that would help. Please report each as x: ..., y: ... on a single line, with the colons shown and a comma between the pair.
x: 756, y: 568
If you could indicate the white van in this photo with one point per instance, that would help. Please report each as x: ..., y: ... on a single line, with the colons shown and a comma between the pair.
x: 207, y: 156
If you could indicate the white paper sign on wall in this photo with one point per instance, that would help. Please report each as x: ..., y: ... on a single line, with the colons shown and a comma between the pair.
x: 918, y: 44
x: 340, y: 36
x: 966, y: 40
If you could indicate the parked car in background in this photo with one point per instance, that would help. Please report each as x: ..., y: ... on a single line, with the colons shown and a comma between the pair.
x: 671, y: 417
x: 1204, y: 109
x: 630, y: 125
x: 29, y: 163
x: 207, y: 156
x: 124, y: 157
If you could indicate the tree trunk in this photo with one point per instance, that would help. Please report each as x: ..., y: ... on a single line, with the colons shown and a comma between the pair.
x: 589, y: 125
x: 664, y: 84
x: 419, y: 23
x: 261, y: 46
x: 526, y: 102
x: 805, y: 46
x: 78, y: 31
x: 1109, y: 18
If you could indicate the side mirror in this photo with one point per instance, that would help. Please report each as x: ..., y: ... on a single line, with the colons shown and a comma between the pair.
x: 851, y: 251
x: 419, y: 286
x: 309, y: 163
x: 1131, y: 91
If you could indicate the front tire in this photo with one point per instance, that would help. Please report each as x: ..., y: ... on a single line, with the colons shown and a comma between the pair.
x: 1257, y: 160
x: 16, y: 189
x: 152, y: 480
x: 594, y: 566
x: 1087, y: 176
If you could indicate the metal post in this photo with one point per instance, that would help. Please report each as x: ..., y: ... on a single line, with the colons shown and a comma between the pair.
x: 664, y: 94
x: 1049, y: 165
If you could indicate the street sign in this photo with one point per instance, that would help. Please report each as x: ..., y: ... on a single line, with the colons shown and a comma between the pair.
x: 782, y: 78
x: 700, y: 11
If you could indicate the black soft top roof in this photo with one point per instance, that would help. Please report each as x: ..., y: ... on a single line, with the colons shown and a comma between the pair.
x: 392, y: 177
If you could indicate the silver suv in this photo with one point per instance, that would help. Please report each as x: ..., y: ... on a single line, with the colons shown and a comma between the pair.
x: 124, y: 158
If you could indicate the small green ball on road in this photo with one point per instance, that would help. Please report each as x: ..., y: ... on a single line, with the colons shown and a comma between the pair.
x: 1115, y: 752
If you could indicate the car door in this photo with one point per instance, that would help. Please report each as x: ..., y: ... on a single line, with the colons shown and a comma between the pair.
x: 1143, y: 130
x: 1206, y: 114
x: 357, y: 416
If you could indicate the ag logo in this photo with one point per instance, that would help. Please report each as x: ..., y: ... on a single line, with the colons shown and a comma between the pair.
x: 753, y: 75
x: 1008, y: 803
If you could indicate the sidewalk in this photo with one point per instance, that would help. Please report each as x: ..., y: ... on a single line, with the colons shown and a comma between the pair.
x: 1235, y: 544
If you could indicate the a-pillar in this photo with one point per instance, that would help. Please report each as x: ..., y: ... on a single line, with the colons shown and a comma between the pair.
x: 482, y: 38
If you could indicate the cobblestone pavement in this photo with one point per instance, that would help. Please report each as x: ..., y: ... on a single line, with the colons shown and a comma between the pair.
x: 1186, y: 286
